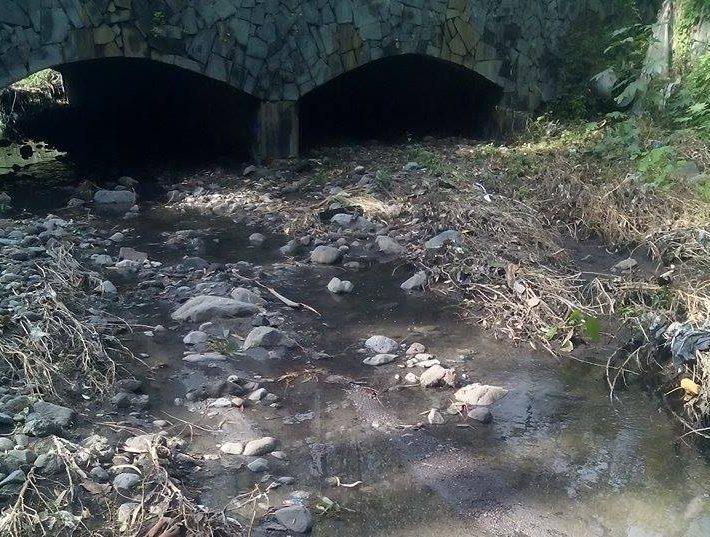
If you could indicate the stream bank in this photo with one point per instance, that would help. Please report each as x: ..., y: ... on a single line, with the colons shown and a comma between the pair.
x: 558, y: 456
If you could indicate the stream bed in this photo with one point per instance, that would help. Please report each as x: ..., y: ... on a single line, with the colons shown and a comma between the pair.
x: 560, y: 458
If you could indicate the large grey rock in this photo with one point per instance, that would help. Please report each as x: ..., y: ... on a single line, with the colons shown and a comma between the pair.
x: 480, y: 394
x: 295, y: 518
x: 381, y: 344
x: 260, y: 446
x: 203, y: 307
x: 325, y: 255
x: 268, y: 338
x: 380, y: 359
x: 47, y: 418
x: 118, y: 197
x: 449, y: 236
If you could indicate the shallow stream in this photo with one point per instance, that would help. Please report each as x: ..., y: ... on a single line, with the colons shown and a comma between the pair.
x: 559, y: 459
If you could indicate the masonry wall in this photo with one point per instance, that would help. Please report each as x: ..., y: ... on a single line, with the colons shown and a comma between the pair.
x: 280, y: 50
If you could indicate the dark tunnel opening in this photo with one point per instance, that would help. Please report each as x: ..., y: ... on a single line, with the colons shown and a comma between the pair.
x: 140, y: 109
x: 396, y: 97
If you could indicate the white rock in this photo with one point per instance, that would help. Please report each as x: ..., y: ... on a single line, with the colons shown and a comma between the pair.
x: 205, y: 357
x: 432, y: 376
x: 449, y: 236
x: 626, y: 264
x: 415, y: 348
x: 480, y: 394
x: 418, y: 281
x: 220, y: 402
x: 257, y: 239
x: 434, y: 417
x: 242, y: 294
x: 339, y: 286
x: 232, y: 448
x: 380, y: 359
x: 260, y: 446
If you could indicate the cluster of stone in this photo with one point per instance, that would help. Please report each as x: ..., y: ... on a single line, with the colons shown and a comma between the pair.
x: 278, y: 50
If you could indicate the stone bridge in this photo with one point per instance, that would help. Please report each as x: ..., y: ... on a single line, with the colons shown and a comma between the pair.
x: 280, y: 50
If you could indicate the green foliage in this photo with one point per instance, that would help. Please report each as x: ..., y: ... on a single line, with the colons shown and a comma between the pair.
x: 691, y: 104
x: 44, y: 81
x: 159, y: 21
x: 592, y: 45
x: 622, y: 138
x: 658, y: 165
x: 688, y: 14
x: 384, y: 179
x: 626, y: 54
x: 589, y: 324
x: 433, y: 161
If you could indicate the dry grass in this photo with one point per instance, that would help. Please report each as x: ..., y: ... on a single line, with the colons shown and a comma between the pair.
x: 56, y: 340
x: 78, y: 506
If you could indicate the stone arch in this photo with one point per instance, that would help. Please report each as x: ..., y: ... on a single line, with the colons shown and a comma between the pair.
x: 386, y: 98
x: 279, y: 50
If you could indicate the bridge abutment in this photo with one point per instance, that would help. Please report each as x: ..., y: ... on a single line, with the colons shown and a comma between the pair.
x: 278, y: 130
